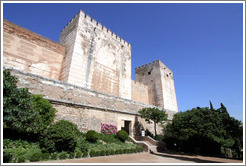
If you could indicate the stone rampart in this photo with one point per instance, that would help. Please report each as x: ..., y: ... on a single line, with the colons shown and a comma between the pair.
x: 28, y: 51
x: 86, y: 108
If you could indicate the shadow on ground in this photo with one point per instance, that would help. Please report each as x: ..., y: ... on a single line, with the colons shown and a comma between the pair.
x: 185, y: 158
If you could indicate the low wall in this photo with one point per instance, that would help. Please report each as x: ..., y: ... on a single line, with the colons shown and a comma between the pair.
x: 85, y: 107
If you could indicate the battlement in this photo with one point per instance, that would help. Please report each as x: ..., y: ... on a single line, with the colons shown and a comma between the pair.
x: 139, y: 84
x: 98, y: 25
x: 148, y: 65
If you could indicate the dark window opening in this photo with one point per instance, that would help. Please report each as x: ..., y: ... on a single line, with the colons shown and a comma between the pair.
x: 149, y: 72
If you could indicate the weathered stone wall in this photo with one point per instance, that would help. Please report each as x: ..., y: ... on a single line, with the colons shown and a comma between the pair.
x: 96, y: 58
x: 159, y: 78
x: 168, y: 89
x: 150, y: 75
x: 140, y: 92
x: 28, y: 51
x: 85, y: 107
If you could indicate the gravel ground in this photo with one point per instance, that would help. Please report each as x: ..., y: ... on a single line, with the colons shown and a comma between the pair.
x: 148, y: 158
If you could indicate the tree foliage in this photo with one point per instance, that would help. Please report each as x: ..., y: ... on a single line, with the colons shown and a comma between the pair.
x: 153, y: 114
x: 22, y: 111
x: 204, y: 130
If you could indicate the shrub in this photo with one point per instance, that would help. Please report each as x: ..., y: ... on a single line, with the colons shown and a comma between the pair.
x: 108, y: 138
x: 91, y: 136
x: 7, y: 157
x: 111, y: 152
x: 71, y: 155
x: 61, y: 136
x: 97, y: 153
x: 35, y: 156
x: 117, y: 151
x: 21, y: 159
x: 92, y: 153
x: 63, y: 155
x: 108, y: 129
x: 124, y: 151
x: 85, y: 154
x: 120, y: 151
x: 78, y: 154
x: 122, y: 135
x: 45, y: 156
x: 103, y: 152
x: 133, y: 150
x: 128, y: 151
x: 53, y: 156
x: 82, y: 145
x: 107, y: 152
x: 159, y: 137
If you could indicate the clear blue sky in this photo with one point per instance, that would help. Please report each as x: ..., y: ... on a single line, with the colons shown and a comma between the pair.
x: 201, y: 43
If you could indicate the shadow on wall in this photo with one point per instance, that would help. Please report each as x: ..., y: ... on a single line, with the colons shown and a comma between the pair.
x: 138, y: 127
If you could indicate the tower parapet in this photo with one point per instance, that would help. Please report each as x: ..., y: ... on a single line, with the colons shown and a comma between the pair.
x: 96, y: 25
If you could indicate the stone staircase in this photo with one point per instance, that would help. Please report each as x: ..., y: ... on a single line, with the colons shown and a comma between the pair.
x: 149, y: 144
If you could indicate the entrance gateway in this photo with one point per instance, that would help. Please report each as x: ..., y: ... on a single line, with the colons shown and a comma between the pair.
x: 127, y: 127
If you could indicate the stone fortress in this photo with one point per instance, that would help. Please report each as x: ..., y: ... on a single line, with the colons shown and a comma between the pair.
x: 87, y: 75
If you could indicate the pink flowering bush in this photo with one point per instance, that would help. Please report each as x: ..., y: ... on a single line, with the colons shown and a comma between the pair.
x: 108, y: 129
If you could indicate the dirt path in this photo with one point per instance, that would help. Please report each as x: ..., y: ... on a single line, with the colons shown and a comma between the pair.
x: 148, y: 158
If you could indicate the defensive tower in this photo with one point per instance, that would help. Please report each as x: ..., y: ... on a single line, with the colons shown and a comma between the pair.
x: 159, y: 78
x: 95, y: 57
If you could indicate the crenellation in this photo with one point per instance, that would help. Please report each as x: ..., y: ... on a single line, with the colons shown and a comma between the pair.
x: 99, y: 25
x: 81, y: 13
x: 105, y: 29
x: 88, y: 18
x: 94, y: 22
x: 109, y: 31
x: 114, y: 35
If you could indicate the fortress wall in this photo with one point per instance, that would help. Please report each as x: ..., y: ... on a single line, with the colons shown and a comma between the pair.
x: 100, y: 60
x: 28, y: 51
x: 140, y: 92
x: 85, y: 107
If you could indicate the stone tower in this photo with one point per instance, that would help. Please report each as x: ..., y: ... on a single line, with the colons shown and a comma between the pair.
x: 159, y: 78
x: 95, y: 57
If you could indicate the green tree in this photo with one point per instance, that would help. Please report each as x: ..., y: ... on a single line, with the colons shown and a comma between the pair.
x: 22, y: 111
x: 18, y: 108
x: 46, y: 112
x: 211, y: 106
x: 203, y: 130
x: 153, y: 114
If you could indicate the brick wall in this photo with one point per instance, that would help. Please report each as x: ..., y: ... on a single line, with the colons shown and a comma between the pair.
x: 28, y: 51
x: 140, y: 92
